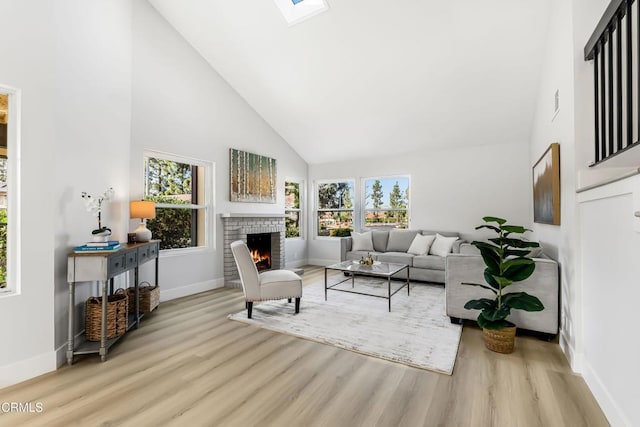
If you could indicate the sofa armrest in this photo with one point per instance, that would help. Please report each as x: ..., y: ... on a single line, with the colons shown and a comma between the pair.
x: 543, y: 283
x: 456, y: 246
x: 345, y: 246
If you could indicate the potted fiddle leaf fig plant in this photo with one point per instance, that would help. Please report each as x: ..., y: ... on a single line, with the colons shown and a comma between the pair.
x: 507, y: 262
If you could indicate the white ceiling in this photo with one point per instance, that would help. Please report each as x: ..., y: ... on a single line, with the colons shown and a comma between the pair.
x: 374, y: 76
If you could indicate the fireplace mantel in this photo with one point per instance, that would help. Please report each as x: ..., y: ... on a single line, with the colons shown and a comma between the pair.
x: 251, y: 215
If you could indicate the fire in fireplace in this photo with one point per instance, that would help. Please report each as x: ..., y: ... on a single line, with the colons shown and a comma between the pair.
x: 260, y: 248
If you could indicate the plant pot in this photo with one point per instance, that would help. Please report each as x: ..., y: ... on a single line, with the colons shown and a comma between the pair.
x: 500, y: 340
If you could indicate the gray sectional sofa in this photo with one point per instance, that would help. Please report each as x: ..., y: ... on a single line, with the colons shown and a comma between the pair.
x: 467, y: 266
x: 392, y: 246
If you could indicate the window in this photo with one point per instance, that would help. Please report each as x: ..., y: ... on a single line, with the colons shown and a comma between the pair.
x: 335, y: 208
x: 9, y: 173
x: 182, y: 190
x: 386, y: 202
x: 292, y: 211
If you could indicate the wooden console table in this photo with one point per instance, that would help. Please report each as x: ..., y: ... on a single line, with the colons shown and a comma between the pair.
x: 103, y: 267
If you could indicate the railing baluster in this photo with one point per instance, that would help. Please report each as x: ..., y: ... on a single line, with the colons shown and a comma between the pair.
x: 597, y: 101
x: 610, y: 88
x: 629, y: 75
x: 603, y: 103
x: 619, y: 136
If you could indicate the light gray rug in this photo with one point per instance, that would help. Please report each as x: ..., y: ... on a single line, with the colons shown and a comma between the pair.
x: 416, y: 332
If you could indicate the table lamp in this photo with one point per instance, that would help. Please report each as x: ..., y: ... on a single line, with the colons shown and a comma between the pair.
x: 144, y: 210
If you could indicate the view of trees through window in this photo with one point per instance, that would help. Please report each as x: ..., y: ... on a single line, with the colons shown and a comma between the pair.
x: 174, y: 188
x: 386, y: 202
x: 4, y: 110
x: 335, y: 209
x: 292, y: 209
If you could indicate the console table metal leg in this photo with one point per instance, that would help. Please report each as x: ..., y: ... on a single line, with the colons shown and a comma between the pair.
x: 70, y: 330
x: 103, y: 332
x: 389, y: 288
x: 325, y: 284
x: 136, y: 278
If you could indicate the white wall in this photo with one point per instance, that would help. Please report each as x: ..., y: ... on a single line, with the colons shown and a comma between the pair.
x: 182, y: 106
x: 72, y: 63
x: 559, y: 241
x: 451, y: 190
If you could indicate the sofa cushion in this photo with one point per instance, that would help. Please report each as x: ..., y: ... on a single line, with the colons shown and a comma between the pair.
x: 421, y: 244
x: 396, y: 257
x: 380, y: 239
x: 361, y: 241
x: 400, y: 240
x: 442, y: 245
x: 432, y: 262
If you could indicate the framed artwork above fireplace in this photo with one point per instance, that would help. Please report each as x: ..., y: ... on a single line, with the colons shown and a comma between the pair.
x: 252, y: 177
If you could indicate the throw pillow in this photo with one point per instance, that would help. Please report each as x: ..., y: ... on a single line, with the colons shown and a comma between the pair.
x: 361, y: 241
x: 421, y: 244
x: 442, y: 245
x: 535, y: 252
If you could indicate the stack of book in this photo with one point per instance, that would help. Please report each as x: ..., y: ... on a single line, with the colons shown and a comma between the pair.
x: 110, y: 246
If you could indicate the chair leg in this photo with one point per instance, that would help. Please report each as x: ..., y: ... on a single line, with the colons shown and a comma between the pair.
x: 249, y: 308
x: 246, y: 304
x: 289, y: 300
x: 297, y: 305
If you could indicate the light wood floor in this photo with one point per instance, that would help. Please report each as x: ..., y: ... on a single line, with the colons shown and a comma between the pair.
x: 189, y: 365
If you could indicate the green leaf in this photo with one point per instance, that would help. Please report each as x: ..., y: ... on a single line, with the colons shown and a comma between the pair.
x: 517, y: 261
x: 490, y: 227
x: 516, y: 252
x: 481, y: 304
x: 487, y: 246
x: 488, y: 277
x: 522, y: 301
x: 494, y: 219
x: 482, y: 286
x: 495, y: 314
x: 514, y: 229
x: 518, y: 273
x: 491, y: 259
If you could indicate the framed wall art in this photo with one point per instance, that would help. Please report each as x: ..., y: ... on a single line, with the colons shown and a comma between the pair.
x: 252, y: 177
x: 546, y: 187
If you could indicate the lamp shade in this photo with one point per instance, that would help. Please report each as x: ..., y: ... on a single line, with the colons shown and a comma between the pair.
x: 142, y: 209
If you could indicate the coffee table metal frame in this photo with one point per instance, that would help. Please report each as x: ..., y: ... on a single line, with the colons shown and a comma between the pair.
x: 379, y: 270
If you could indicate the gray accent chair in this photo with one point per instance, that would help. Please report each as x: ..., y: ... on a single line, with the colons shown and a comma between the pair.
x: 392, y: 246
x: 468, y: 267
x: 268, y: 285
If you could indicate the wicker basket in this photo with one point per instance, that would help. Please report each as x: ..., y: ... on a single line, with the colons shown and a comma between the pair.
x: 149, y: 298
x: 500, y: 340
x: 117, y: 316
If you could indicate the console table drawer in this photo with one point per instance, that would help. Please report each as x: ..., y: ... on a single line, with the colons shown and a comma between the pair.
x: 116, y: 265
x: 154, y: 249
x: 130, y: 259
x: 143, y: 255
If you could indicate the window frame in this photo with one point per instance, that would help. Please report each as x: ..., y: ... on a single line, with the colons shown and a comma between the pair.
x: 317, y: 209
x: 209, y: 199
x: 362, y: 216
x: 14, y: 284
x: 300, y: 210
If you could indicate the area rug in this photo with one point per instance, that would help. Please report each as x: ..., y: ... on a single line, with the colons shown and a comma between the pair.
x: 416, y: 332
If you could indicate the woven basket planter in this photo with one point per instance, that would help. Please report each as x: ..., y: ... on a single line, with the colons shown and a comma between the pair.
x: 117, y: 316
x: 149, y: 298
x: 500, y: 340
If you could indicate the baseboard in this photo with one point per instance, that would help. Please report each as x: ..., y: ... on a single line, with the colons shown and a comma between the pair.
x: 297, y: 263
x: 61, y: 351
x: 569, y: 352
x: 611, y: 410
x: 194, y: 288
x: 322, y: 262
x: 27, y: 369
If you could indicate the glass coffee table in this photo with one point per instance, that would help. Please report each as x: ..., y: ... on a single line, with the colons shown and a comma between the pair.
x: 382, y: 270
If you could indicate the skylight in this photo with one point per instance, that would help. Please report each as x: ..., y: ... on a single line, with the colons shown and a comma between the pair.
x: 296, y: 11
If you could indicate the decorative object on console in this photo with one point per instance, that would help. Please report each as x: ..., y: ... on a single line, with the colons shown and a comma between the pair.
x: 94, y: 205
x: 546, y: 187
x: 507, y: 261
x: 142, y: 209
x: 252, y: 177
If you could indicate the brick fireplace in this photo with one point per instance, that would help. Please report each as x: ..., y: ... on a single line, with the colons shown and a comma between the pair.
x: 238, y: 227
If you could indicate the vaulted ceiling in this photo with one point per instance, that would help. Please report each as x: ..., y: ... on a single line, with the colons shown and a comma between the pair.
x: 377, y: 76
